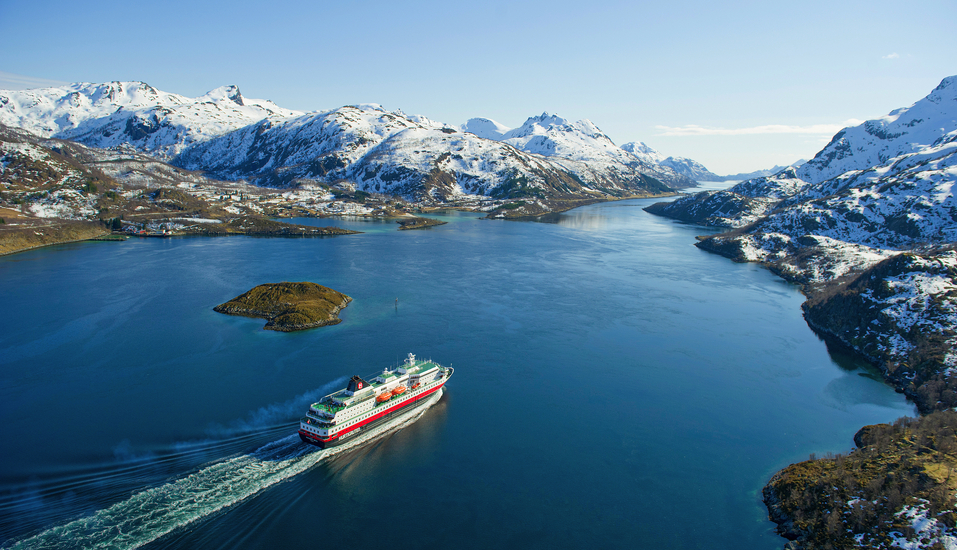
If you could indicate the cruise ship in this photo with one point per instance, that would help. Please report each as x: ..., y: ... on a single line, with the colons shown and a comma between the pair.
x: 339, y: 416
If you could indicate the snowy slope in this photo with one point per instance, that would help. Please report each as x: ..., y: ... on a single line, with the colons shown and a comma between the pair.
x: 59, y: 187
x: 902, y: 314
x: 902, y: 131
x: 904, y: 203
x: 643, y: 152
x: 551, y: 135
x: 684, y: 166
x: 889, y: 186
x: 485, y: 128
x: 133, y: 113
x: 449, y: 165
x: 690, y: 168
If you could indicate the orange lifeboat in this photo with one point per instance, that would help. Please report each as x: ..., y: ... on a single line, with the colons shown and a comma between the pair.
x: 399, y: 390
x: 383, y: 397
x: 416, y: 385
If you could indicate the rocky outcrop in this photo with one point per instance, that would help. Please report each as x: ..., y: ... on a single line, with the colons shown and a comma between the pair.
x: 896, y: 490
x: 418, y: 223
x: 289, y: 306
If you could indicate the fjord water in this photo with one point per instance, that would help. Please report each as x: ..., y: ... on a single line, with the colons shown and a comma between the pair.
x: 614, y: 387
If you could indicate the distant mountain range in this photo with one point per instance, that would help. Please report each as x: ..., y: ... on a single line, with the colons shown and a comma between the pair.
x: 389, y: 152
x: 692, y: 168
x: 364, y: 147
x: 360, y: 147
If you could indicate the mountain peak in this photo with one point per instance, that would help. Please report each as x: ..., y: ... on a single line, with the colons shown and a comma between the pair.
x: 230, y: 92
x: 546, y: 119
x: 902, y: 131
x: 946, y: 83
x: 485, y: 128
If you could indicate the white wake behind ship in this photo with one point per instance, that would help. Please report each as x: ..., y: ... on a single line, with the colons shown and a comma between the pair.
x: 362, y: 405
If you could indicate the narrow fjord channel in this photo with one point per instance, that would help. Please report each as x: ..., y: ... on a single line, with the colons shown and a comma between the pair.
x: 615, y: 386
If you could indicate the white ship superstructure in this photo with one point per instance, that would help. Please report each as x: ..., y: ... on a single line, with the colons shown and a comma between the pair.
x: 361, y: 405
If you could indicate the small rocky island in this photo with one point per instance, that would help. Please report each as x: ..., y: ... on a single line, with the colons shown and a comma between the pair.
x: 418, y: 223
x: 289, y: 306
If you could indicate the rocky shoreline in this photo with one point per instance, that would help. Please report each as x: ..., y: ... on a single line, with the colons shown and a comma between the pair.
x: 21, y: 239
x: 894, y: 309
x: 868, y: 229
x: 407, y: 224
x: 896, y: 489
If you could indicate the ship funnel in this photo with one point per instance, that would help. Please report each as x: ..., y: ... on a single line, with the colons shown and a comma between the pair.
x: 356, y: 384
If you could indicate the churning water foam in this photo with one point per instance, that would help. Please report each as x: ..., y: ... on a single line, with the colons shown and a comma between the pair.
x: 152, y: 513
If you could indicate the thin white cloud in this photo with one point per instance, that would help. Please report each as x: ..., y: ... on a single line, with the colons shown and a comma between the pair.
x: 10, y: 81
x: 695, y: 130
x: 891, y: 56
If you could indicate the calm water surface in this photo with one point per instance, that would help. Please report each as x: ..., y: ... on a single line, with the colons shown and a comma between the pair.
x: 614, y: 387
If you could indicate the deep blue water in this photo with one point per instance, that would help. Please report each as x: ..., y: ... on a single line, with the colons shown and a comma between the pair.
x: 614, y: 387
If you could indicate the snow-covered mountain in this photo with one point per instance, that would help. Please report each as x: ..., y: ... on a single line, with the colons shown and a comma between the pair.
x: 694, y: 169
x: 485, y: 128
x: 133, y: 113
x: 644, y: 152
x: 390, y: 152
x: 886, y: 183
x: 366, y: 146
x: 900, y: 132
x: 744, y: 176
x: 689, y: 168
x: 580, y: 142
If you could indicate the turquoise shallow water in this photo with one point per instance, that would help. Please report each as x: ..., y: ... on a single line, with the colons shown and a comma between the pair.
x: 615, y: 386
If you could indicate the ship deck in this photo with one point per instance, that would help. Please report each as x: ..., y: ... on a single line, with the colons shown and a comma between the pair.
x: 325, y: 404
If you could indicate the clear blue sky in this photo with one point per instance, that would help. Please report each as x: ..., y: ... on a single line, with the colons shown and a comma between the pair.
x: 713, y: 81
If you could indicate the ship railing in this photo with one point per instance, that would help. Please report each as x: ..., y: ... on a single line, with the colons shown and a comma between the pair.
x: 313, y: 421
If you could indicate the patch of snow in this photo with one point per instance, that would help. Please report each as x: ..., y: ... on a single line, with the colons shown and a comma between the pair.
x: 927, y: 530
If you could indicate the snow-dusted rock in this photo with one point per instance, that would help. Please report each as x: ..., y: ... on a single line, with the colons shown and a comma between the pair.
x: 362, y: 146
x: 902, y: 314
